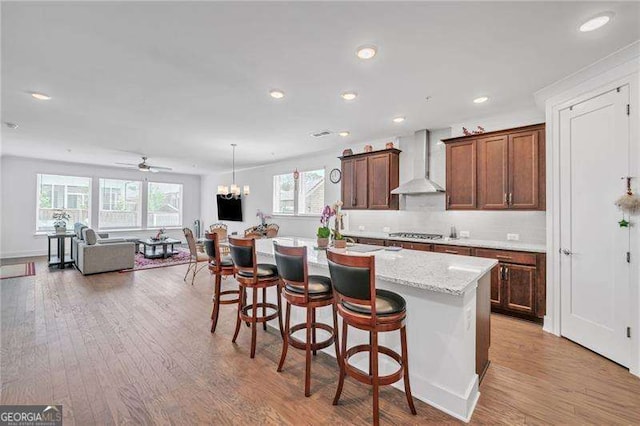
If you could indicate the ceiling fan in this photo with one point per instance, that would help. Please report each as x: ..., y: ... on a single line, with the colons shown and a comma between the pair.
x: 144, y: 167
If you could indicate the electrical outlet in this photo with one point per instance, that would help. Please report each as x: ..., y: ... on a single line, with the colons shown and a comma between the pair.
x: 464, y: 234
x: 513, y: 237
x: 386, y: 229
x: 360, y: 227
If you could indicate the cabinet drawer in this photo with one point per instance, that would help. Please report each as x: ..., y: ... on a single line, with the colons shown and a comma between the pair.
x: 463, y: 251
x: 508, y: 256
x: 410, y: 246
x: 371, y: 241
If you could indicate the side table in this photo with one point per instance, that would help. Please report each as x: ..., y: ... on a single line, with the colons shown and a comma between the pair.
x: 59, y: 259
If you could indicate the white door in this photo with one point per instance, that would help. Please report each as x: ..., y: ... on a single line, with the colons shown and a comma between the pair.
x: 595, y: 274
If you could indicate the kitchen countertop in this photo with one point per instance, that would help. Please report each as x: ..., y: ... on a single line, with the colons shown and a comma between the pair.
x: 438, y: 272
x: 466, y: 242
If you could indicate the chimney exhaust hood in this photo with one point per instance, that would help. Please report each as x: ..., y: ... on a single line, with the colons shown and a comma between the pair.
x: 421, y: 183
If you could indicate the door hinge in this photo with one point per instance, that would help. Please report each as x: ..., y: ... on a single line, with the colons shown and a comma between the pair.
x: 628, y: 257
x: 629, y: 332
x: 628, y: 109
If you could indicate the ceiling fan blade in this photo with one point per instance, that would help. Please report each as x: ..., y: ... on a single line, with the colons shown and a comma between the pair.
x: 127, y: 164
x: 158, y: 168
x: 153, y: 170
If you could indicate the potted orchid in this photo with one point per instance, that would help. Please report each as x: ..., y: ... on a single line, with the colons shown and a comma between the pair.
x: 338, y: 238
x: 60, y: 218
x: 324, y: 232
x: 263, y: 220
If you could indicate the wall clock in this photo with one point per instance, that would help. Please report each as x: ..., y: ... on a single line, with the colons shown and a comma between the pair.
x: 335, y: 175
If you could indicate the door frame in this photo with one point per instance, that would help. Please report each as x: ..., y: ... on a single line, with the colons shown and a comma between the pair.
x: 624, y: 69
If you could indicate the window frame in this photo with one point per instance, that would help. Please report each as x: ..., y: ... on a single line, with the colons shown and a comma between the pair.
x: 296, y: 194
x: 147, y: 211
x: 65, y: 200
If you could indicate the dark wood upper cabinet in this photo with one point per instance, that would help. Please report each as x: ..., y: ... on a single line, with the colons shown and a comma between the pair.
x: 369, y: 178
x: 493, y: 177
x: 524, y: 170
x: 461, y: 175
x: 509, y: 168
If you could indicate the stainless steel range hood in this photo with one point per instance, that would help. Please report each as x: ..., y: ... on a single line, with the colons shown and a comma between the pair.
x: 421, y: 183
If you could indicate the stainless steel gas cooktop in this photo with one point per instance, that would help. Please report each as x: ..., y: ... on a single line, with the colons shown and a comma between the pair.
x: 416, y: 235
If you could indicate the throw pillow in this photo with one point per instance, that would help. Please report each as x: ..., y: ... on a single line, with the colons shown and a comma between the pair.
x: 89, y: 235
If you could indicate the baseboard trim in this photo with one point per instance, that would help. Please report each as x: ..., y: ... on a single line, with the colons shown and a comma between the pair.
x: 28, y: 253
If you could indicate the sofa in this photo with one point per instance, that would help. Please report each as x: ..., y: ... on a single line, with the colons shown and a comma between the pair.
x: 94, y: 252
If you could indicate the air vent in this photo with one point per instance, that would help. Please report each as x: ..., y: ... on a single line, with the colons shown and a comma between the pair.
x: 321, y: 134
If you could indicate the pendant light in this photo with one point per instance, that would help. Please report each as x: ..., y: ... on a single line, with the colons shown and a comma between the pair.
x: 233, y: 191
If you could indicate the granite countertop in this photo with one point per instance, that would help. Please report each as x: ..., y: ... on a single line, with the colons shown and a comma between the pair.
x: 466, y: 242
x: 438, y: 272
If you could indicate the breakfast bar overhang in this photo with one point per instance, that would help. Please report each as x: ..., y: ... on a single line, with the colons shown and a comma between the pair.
x: 448, y: 318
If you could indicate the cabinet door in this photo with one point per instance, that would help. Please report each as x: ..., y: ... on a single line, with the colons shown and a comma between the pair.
x: 496, y: 286
x: 371, y: 241
x: 348, y: 184
x: 524, y: 170
x: 379, y: 191
x: 360, y: 183
x: 520, y: 287
x: 461, y: 175
x: 493, y: 181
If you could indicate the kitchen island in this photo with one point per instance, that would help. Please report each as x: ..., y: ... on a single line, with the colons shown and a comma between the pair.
x: 448, y: 322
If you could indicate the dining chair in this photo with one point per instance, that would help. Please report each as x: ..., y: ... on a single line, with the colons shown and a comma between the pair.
x: 272, y: 230
x: 252, y: 233
x: 222, y: 231
x: 195, y: 256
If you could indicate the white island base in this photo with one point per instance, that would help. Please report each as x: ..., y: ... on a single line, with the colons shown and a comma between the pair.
x: 447, y: 322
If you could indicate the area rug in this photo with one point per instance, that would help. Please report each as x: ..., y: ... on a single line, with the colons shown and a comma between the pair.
x: 18, y: 270
x: 142, y: 263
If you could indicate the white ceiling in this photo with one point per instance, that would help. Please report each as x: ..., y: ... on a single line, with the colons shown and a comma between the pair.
x: 179, y: 82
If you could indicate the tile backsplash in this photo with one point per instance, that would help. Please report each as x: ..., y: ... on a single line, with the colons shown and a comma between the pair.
x: 426, y: 213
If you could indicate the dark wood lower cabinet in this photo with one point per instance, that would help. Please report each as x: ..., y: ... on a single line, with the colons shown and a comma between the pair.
x: 518, y: 282
x: 520, y: 286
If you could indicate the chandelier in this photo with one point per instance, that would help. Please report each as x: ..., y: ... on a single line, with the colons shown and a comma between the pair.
x: 233, y: 191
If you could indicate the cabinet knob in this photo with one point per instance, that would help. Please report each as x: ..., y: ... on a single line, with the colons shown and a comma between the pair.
x: 566, y: 252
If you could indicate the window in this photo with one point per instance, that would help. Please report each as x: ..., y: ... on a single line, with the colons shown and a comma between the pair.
x: 164, y: 205
x: 120, y: 204
x: 304, y: 196
x: 71, y: 193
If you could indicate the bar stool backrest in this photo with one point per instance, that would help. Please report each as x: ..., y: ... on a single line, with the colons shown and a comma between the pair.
x: 212, y: 247
x: 292, y: 265
x: 353, y: 279
x: 243, y: 254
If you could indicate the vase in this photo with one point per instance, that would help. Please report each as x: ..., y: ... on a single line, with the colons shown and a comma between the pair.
x: 61, y: 229
x: 340, y: 244
x: 323, y: 242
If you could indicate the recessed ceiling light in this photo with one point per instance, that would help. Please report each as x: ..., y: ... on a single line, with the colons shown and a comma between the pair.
x: 277, y: 94
x: 344, y: 133
x: 480, y: 100
x: 40, y: 96
x: 349, y: 96
x: 366, y: 52
x: 596, y: 22
x: 11, y: 125
x: 398, y: 119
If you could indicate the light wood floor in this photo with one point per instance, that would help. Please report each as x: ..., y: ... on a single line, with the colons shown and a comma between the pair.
x: 136, y: 348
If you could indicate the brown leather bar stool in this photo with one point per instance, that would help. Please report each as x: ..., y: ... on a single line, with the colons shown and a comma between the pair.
x: 309, y: 292
x: 220, y: 266
x: 254, y: 276
x: 362, y: 306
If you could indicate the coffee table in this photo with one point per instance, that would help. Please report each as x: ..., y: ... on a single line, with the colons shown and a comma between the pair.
x: 155, y: 249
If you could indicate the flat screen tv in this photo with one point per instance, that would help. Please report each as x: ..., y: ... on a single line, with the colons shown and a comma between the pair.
x: 229, y: 209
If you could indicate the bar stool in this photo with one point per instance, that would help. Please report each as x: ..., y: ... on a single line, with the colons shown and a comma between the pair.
x: 362, y: 306
x: 220, y: 266
x: 309, y: 292
x: 253, y: 275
